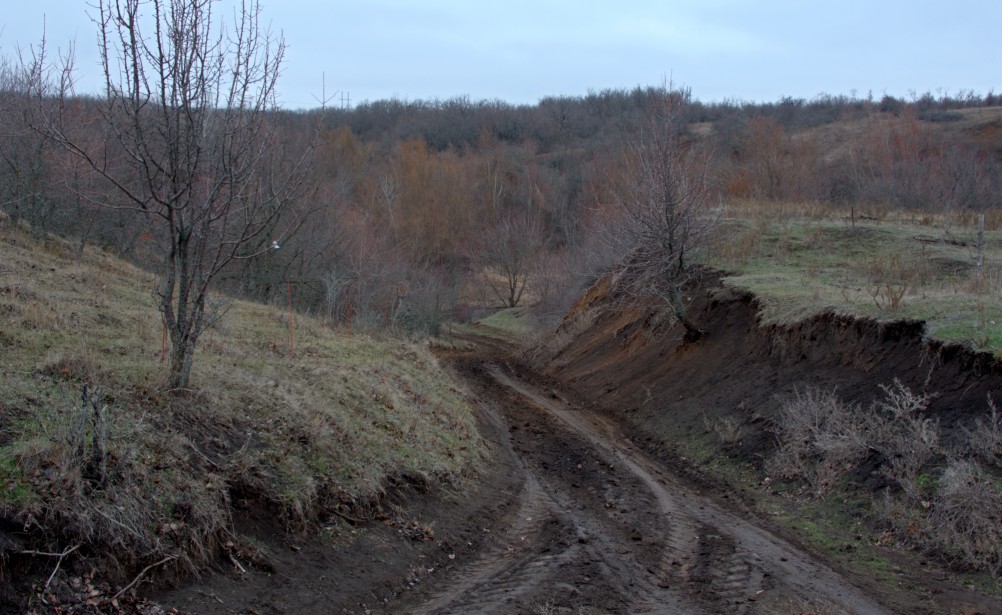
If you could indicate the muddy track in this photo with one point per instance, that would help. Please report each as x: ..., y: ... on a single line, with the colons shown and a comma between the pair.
x: 597, y: 526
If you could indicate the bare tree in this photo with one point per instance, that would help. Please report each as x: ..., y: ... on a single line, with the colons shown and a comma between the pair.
x: 186, y: 140
x: 665, y: 208
x: 25, y: 156
x: 509, y: 258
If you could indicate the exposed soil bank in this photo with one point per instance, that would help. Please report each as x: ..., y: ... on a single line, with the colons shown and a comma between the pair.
x: 571, y: 517
x: 665, y: 389
x: 742, y: 369
x: 351, y: 565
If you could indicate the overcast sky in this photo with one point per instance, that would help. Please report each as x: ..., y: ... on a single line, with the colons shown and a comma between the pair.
x: 522, y: 50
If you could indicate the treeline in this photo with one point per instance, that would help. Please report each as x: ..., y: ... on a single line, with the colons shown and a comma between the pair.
x: 408, y: 201
x: 558, y: 121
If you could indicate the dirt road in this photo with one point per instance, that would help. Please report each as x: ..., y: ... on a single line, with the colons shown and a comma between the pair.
x: 569, y: 516
x: 594, y: 525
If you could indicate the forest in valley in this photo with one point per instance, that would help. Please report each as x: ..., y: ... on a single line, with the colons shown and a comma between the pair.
x: 407, y: 214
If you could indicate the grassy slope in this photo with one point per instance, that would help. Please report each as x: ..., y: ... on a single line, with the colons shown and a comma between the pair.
x: 803, y: 260
x: 303, y: 434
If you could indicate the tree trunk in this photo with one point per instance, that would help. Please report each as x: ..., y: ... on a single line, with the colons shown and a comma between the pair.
x: 692, y: 331
x: 181, y: 357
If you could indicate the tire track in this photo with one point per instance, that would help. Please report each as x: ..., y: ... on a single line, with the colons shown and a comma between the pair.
x: 503, y: 571
x: 733, y: 578
x: 598, y: 524
x: 512, y: 568
x: 550, y: 541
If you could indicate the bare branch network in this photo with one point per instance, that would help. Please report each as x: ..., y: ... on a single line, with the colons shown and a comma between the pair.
x: 184, y: 138
x: 665, y: 206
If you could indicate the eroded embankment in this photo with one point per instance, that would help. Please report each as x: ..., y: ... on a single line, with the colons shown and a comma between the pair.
x: 715, y: 409
x: 742, y: 370
x: 594, y: 525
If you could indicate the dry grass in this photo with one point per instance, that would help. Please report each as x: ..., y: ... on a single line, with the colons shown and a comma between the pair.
x: 307, y: 433
x: 802, y: 260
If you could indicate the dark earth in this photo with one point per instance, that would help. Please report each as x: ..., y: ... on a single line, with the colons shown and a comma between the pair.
x: 572, y: 518
x: 584, y: 508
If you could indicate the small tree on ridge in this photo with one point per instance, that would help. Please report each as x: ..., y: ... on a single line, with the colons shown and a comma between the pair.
x: 186, y: 142
x: 664, y: 206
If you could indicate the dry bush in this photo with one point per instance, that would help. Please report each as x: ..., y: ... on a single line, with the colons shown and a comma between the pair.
x: 955, y: 513
x: 80, y: 366
x: 889, y: 279
x: 985, y: 439
x: 88, y: 473
x: 967, y: 515
x: 728, y: 429
x: 820, y: 438
x: 906, y: 440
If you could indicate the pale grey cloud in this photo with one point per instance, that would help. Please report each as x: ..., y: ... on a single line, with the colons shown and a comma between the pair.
x: 522, y: 50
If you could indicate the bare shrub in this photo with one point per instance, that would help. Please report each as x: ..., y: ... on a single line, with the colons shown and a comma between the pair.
x: 509, y: 257
x: 87, y: 466
x: 985, y: 439
x: 78, y: 365
x: 820, y: 438
x: 426, y: 304
x: 890, y: 277
x: 888, y: 295
x: 666, y: 206
x: 903, y: 520
x: 906, y: 440
x: 901, y: 402
x: 967, y: 515
x: 956, y: 513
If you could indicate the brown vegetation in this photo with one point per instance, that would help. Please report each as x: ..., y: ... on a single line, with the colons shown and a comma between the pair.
x: 405, y: 194
x: 841, y: 422
x: 943, y: 495
x: 397, y: 216
x: 664, y: 208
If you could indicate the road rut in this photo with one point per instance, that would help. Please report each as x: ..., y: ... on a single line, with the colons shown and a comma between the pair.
x: 598, y: 526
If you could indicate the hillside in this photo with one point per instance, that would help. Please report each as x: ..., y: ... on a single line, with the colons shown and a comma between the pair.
x: 314, y: 469
x: 770, y: 412
x: 293, y: 425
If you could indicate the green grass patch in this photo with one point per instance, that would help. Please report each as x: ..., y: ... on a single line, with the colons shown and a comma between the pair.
x: 15, y: 490
x: 802, y: 263
x: 511, y: 325
x: 516, y: 322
